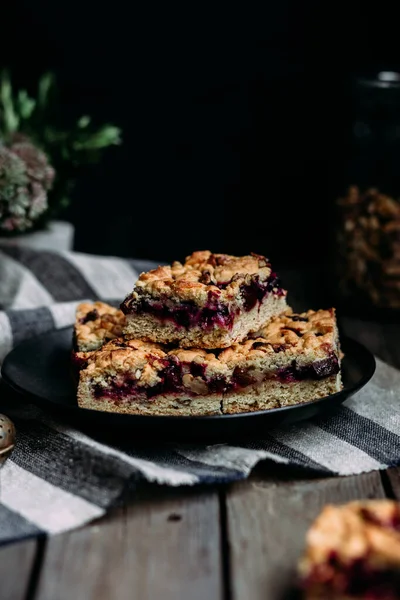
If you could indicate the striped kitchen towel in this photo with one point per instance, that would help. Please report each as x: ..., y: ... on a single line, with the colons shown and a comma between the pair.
x: 59, y: 478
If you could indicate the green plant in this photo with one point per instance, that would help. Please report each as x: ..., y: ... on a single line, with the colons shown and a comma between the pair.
x: 39, y: 120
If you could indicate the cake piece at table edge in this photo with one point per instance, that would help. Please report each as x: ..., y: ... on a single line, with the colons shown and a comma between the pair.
x: 353, y: 552
x: 292, y: 359
x: 210, y: 301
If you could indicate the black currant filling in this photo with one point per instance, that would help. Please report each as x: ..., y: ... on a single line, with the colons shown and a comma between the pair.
x: 356, y: 579
x: 315, y: 370
x: 256, y: 291
x: 188, y: 314
x: 174, y: 370
x: 214, y: 313
x: 90, y: 316
x: 78, y: 362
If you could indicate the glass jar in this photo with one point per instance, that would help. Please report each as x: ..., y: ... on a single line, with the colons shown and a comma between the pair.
x: 368, y: 200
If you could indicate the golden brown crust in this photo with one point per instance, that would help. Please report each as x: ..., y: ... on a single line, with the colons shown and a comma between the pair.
x: 275, y: 347
x: 202, y: 272
x: 310, y: 332
x: 95, y: 324
x: 361, y: 529
x: 166, y: 405
x: 142, y: 359
x: 363, y: 533
x: 145, y: 326
x: 273, y: 394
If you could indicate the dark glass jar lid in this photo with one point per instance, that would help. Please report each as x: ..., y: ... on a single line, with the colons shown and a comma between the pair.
x: 377, y: 95
x: 380, y: 79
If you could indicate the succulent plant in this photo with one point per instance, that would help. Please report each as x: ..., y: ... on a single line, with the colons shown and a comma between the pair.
x: 25, y: 178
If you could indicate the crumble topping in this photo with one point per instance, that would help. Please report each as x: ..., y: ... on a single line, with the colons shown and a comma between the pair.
x: 345, y: 537
x: 312, y: 331
x: 275, y: 349
x: 96, y: 323
x: 201, y: 274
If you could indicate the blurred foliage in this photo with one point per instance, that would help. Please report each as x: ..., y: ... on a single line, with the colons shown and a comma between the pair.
x: 38, y: 119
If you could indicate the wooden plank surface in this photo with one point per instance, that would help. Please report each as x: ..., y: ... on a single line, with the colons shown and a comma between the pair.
x: 169, y: 544
x: 267, y: 519
x: 167, y: 548
x: 16, y: 569
x: 266, y: 526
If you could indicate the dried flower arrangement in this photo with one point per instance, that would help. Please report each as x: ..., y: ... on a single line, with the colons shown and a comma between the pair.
x: 39, y: 158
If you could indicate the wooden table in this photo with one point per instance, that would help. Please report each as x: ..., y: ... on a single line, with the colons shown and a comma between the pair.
x: 240, y: 542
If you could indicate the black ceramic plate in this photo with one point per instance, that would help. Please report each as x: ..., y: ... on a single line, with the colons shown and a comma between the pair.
x: 40, y: 368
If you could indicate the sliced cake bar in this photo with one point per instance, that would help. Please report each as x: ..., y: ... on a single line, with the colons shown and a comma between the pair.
x: 210, y: 301
x: 293, y: 359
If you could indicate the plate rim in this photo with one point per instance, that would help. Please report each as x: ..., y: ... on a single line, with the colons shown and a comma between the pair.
x: 184, y: 418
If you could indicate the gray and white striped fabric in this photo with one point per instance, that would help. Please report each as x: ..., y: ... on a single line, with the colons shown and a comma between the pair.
x: 58, y: 478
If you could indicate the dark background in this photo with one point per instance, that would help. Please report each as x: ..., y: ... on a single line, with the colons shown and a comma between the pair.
x: 234, y: 120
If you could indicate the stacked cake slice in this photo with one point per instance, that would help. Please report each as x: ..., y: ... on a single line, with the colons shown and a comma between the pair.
x: 213, y: 335
x: 210, y: 301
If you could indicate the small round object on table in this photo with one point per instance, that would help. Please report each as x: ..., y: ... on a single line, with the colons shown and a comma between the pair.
x: 7, y: 438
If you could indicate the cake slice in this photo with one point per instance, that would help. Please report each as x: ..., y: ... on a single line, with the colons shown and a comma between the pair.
x: 138, y: 377
x: 353, y: 552
x: 293, y: 359
x: 210, y: 301
x: 95, y: 324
